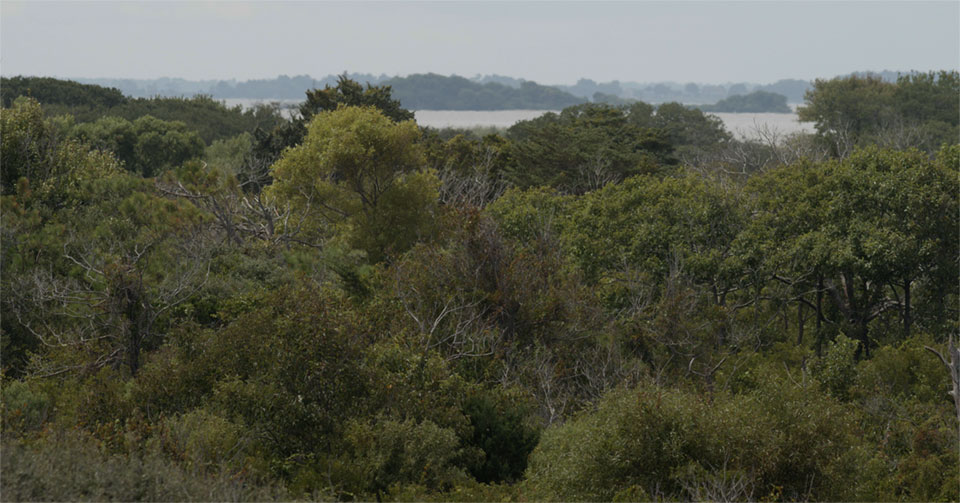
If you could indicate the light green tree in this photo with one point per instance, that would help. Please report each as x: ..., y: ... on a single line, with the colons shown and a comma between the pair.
x: 358, y: 175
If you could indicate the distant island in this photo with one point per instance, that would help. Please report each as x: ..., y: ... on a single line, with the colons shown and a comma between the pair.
x: 437, y: 92
x: 755, y: 102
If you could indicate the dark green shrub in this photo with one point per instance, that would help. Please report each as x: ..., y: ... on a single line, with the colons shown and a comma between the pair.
x: 501, y: 429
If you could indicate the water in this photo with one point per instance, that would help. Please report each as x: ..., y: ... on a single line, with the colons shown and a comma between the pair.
x: 475, y: 118
x: 746, y: 126
x: 288, y: 107
x: 749, y: 126
x: 741, y: 125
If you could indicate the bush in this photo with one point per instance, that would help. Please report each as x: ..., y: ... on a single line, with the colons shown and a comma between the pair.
x: 70, y: 468
x: 501, y: 430
x: 23, y: 409
x: 386, y: 453
x: 836, y: 370
x: 676, y: 445
x: 206, y: 441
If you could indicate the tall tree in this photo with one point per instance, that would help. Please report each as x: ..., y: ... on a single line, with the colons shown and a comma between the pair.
x: 358, y: 174
x: 270, y: 144
x: 871, y: 233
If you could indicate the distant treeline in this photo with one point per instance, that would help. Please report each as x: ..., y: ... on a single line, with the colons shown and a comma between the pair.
x: 689, y: 93
x: 286, y: 87
x: 203, y: 115
x: 755, y: 102
x: 490, y: 97
x: 436, y: 92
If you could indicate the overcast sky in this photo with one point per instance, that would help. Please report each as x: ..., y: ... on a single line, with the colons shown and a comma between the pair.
x: 549, y: 42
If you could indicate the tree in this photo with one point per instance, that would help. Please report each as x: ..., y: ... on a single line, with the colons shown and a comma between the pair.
x: 347, y: 92
x: 350, y: 93
x: 584, y: 148
x: 437, y: 92
x: 689, y: 127
x: 127, y: 257
x: 654, y: 443
x: 358, y: 174
x: 29, y: 146
x: 91, y: 256
x: 854, y: 110
x: 43, y: 175
x: 873, y: 233
x: 51, y: 91
x: 928, y: 102
x: 147, y: 146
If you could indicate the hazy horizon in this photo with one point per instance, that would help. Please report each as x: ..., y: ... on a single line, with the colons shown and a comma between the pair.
x: 546, y: 42
x: 518, y: 77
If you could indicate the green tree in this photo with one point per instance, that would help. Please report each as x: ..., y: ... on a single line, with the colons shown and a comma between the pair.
x: 871, y: 233
x: 51, y: 91
x: 359, y: 174
x: 928, y: 102
x: 148, y: 146
x: 270, y: 143
x: 847, y: 109
x: 351, y: 93
x: 583, y: 148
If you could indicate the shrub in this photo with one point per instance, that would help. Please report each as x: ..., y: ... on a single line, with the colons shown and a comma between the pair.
x: 23, y: 409
x: 70, y: 468
x: 782, y: 440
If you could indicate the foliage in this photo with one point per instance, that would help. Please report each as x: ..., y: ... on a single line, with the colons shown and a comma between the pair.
x: 917, y: 111
x: 561, y: 312
x: 229, y: 155
x: 653, y: 225
x: 669, y: 444
x: 272, y: 142
x: 147, y: 146
x: 350, y: 93
x: 843, y: 222
x: 72, y: 469
x: 684, y: 127
x: 209, y: 118
x: 23, y: 409
x: 385, y: 454
x: 358, y: 175
x: 58, y: 92
x: 584, y: 148
x: 836, y: 369
x: 500, y: 430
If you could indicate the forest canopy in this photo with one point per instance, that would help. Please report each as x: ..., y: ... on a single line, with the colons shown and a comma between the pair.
x: 617, y: 302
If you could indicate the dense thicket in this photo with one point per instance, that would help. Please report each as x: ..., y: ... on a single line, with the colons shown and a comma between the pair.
x: 610, y: 303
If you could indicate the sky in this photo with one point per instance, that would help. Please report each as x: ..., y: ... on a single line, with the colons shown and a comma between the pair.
x: 548, y: 42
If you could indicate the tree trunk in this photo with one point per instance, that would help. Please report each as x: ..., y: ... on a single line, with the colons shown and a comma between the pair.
x: 819, y: 316
x: 799, y: 323
x: 907, y: 317
x: 952, y: 362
